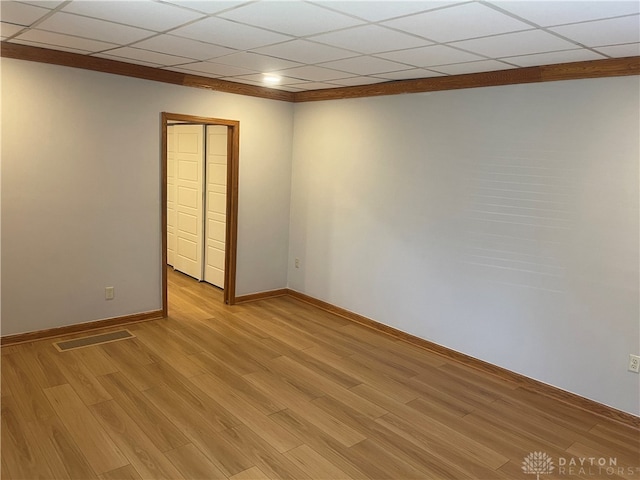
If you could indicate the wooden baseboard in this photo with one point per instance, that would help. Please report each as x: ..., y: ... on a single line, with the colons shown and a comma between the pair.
x: 79, y: 327
x: 261, y: 295
x: 571, y: 399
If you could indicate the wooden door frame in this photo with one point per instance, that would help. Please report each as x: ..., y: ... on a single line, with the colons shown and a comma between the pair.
x: 231, y: 240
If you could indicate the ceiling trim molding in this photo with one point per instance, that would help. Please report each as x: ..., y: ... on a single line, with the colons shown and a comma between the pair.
x: 86, y: 62
x: 613, y: 67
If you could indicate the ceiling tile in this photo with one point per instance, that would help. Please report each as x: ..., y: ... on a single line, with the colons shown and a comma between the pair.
x: 293, y: 18
x: 242, y: 79
x: 70, y: 24
x: 619, y: 51
x: 50, y: 4
x: 355, y: 81
x: 458, y: 22
x: 258, y: 79
x: 365, y: 65
x: 192, y: 72
x: 20, y: 13
x: 603, y: 32
x: 370, y: 39
x: 313, y: 86
x: 43, y: 45
x: 229, y: 34
x: 9, y: 29
x: 410, y: 74
x: 473, y: 67
x: 304, y: 51
x: 66, y: 41
x: 288, y: 88
x: 141, y: 13
x: 148, y: 56
x: 551, y: 58
x: 311, y: 72
x: 512, y: 44
x: 376, y: 11
x: 429, y: 56
x: 120, y: 59
x: 254, y: 61
x: 561, y: 12
x: 216, y: 69
x: 183, y: 47
x: 208, y: 7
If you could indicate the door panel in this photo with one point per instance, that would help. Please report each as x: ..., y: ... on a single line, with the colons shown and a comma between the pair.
x: 171, y: 196
x: 189, y: 180
x: 216, y: 204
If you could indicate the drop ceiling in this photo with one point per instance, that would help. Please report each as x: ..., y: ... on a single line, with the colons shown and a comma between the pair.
x: 312, y: 45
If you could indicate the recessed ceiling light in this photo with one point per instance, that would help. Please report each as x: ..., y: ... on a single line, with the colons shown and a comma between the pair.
x: 271, y: 79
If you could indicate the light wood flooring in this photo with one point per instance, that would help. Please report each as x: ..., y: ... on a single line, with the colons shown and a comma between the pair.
x: 280, y: 389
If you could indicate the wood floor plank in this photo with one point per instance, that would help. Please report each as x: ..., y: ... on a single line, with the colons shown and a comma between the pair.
x: 160, y: 430
x: 320, y: 359
x: 475, y: 397
x: 203, y: 432
x: 167, y: 350
x: 39, y: 359
x: 287, y: 393
x: 256, y: 397
x: 133, y: 351
x: 291, y: 369
x: 262, y: 455
x: 616, y: 436
x: 96, y: 445
x: 253, y: 473
x: 368, y: 374
x: 20, y: 451
x: 308, y: 460
x: 293, y: 337
x: 432, y: 429
x: 61, y: 451
x: 186, y: 405
x: 394, y: 441
x: 94, y: 359
x: 29, y: 397
x: 133, y: 442
x: 529, y: 421
x: 128, y: 472
x: 595, y: 464
x: 280, y: 438
x: 225, y: 351
x: 322, y: 443
x: 82, y: 380
x: 192, y: 463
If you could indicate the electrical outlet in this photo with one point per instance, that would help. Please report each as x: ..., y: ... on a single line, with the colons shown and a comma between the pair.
x: 297, y: 262
x: 109, y: 293
x: 634, y: 363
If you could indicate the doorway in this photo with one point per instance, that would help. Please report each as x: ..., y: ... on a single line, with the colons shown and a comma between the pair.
x: 223, y: 241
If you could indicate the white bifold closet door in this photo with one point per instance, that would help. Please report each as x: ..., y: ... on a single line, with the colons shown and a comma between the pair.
x: 188, y: 162
x: 171, y: 196
x: 216, y: 204
x: 197, y: 200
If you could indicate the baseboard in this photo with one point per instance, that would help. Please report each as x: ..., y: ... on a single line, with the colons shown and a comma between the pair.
x: 572, y: 399
x: 79, y: 327
x: 261, y: 295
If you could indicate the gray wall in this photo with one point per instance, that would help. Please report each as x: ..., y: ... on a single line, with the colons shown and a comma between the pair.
x: 500, y: 222
x: 81, y: 191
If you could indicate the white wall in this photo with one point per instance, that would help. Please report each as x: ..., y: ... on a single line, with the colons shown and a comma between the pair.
x: 500, y: 222
x: 81, y: 191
